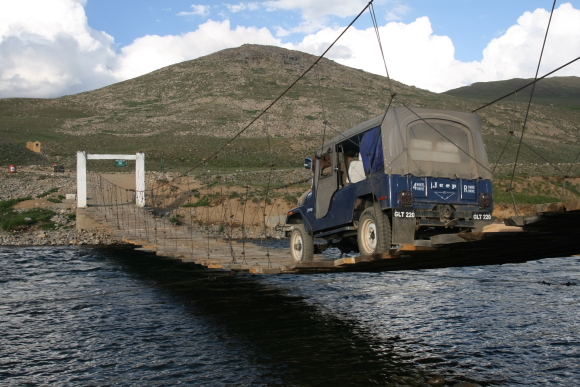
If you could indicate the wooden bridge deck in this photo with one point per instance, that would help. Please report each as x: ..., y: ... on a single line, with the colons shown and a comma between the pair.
x: 549, y: 235
x: 147, y: 232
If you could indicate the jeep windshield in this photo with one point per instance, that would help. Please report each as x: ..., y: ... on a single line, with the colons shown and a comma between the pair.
x: 447, y: 144
x: 437, y: 147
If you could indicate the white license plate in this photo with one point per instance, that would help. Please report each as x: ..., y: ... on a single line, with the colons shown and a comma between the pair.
x: 404, y: 214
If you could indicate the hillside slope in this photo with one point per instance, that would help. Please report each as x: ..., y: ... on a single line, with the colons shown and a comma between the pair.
x: 561, y: 91
x: 181, y: 113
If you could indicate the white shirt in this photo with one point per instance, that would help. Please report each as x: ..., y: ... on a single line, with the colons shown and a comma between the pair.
x: 356, y: 171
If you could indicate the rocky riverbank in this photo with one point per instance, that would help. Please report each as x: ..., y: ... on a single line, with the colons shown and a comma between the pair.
x: 55, y: 192
x: 60, y: 237
x: 47, y: 190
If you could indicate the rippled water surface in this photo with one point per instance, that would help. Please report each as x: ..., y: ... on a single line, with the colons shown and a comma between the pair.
x: 74, y: 316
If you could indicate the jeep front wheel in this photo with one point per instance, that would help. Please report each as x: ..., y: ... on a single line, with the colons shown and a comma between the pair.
x: 301, y: 244
x: 374, y: 232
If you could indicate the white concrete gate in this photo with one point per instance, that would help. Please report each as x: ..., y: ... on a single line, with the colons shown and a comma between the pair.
x: 82, y: 158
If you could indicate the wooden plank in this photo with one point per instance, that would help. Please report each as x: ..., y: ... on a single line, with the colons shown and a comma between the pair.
x: 314, y: 264
x: 346, y: 261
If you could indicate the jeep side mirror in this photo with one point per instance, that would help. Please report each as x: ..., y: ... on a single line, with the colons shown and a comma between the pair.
x: 308, y: 163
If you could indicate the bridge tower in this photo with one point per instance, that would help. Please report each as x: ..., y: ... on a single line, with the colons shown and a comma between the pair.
x: 82, y: 158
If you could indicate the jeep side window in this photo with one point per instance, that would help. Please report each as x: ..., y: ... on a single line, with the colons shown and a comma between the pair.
x: 355, y: 167
x: 351, y: 166
x: 325, y: 165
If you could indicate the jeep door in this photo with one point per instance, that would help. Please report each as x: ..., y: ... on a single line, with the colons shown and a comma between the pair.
x: 326, y: 179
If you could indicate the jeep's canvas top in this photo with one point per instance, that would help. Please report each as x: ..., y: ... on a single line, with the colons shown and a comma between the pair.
x: 422, y: 142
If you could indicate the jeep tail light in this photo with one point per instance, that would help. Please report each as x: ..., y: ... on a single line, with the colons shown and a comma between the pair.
x: 485, y: 200
x: 406, y: 198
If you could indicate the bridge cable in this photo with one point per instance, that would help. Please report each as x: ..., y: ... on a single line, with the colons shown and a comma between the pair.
x: 442, y: 135
x: 531, y: 96
x: 510, y: 136
x: 376, y: 205
x: 324, y: 120
x: 281, y: 95
x: 244, y: 227
x: 510, y: 133
x: 526, y: 85
x: 376, y: 27
x: 219, y: 150
x: 543, y: 158
x: 267, y: 191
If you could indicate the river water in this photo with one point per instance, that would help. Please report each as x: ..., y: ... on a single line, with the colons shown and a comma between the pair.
x: 82, y: 316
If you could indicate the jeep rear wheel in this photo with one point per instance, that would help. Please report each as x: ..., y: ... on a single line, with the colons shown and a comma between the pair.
x: 374, y: 232
x: 301, y: 244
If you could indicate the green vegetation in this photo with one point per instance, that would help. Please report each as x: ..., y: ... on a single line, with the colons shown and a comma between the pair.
x: 186, y: 112
x: 13, y: 220
x: 561, y: 91
x: 50, y: 191
x: 505, y: 197
x: 176, y: 220
x: 140, y: 103
x: 8, y: 204
x: 203, y: 202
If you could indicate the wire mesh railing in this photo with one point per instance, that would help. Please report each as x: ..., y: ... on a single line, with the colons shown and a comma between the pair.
x: 202, y: 224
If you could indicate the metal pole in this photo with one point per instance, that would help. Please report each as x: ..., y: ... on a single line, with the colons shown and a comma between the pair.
x: 140, y: 180
x: 81, y: 179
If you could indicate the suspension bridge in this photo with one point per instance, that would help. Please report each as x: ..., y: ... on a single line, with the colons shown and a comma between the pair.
x: 208, y: 236
x: 243, y: 233
x: 194, y: 235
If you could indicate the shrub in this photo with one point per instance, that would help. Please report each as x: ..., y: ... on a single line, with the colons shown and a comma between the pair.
x: 44, y: 194
x: 10, y: 220
x: 203, y: 202
x: 8, y: 204
x: 176, y: 220
x: 505, y: 197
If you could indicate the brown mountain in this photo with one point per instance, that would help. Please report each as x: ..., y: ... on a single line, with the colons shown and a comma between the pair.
x: 183, y: 112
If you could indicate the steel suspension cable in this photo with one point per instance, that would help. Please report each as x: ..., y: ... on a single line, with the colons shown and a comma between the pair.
x: 526, y: 85
x: 376, y: 26
x: 281, y: 95
x: 324, y: 120
x: 531, y: 96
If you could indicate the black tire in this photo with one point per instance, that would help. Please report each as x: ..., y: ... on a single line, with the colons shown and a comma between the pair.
x: 374, y: 231
x: 301, y: 244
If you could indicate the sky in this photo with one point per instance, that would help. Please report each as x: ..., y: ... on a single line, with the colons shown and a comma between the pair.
x: 51, y: 48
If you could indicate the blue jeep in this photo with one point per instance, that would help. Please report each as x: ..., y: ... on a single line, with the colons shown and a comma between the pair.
x: 400, y: 178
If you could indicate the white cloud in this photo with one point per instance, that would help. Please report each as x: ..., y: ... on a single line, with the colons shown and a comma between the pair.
x: 252, y: 6
x: 516, y: 52
x: 314, y: 14
x: 48, y: 49
x: 415, y: 56
x: 153, y: 52
x: 397, y: 10
x: 319, y: 9
x: 198, y: 10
